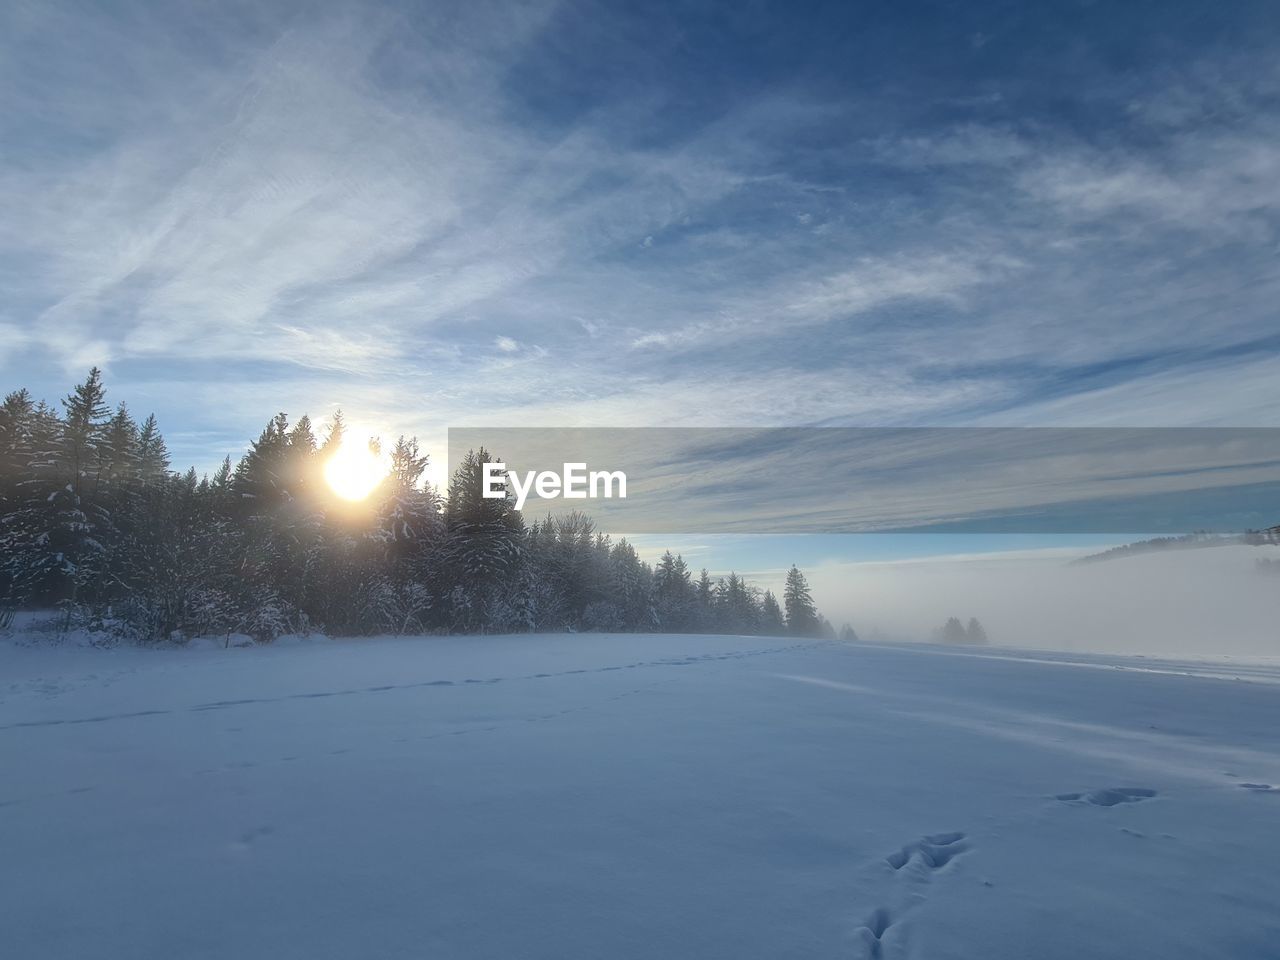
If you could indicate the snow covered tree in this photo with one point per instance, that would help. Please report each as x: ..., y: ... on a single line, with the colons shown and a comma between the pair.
x: 772, y: 621
x: 673, y: 593
x: 574, y: 561
x: 93, y: 518
x: 33, y: 565
x: 17, y: 415
x: 119, y: 453
x: 83, y: 427
x: 704, y: 602
x: 631, y: 588
x: 260, y: 474
x: 410, y: 529
x: 484, y: 545
x: 76, y: 516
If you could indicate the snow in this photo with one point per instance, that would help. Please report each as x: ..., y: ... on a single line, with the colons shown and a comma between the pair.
x: 588, y: 796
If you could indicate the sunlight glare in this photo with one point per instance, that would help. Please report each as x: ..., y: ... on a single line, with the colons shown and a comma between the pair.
x: 354, y: 471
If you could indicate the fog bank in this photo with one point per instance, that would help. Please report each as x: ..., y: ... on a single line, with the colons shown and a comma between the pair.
x: 1207, y: 602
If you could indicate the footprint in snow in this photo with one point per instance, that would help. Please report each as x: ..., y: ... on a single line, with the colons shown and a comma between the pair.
x: 935, y: 851
x: 247, y: 839
x: 1108, y: 797
x: 871, y: 934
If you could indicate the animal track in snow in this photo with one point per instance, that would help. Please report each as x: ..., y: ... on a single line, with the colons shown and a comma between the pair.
x: 930, y: 854
x: 250, y: 837
x: 935, y: 851
x: 871, y: 934
x: 1108, y: 797
x: 388, y: 687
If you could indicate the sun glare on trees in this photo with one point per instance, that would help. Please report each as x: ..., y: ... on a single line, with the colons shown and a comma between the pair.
x: 354, y: 471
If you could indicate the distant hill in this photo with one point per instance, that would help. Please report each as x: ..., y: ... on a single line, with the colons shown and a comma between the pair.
x: 1190, y: 541
x: 1258, y: 538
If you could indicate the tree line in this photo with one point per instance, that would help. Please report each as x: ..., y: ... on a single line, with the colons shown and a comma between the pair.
x: 955, y: 632
x: 94, y: 521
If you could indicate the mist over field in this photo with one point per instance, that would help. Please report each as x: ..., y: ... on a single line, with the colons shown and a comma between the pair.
x: 1214, y: 601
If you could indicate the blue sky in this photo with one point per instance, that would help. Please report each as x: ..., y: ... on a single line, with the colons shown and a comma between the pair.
x: 611, y: 214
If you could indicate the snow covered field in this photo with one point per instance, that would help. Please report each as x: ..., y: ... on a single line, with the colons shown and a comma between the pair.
x: 634, y: 796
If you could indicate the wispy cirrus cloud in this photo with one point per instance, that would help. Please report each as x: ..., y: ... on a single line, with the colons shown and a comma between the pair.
x: 555, y: 212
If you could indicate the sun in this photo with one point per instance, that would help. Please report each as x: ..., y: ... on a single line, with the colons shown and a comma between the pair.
x: 354, y: 471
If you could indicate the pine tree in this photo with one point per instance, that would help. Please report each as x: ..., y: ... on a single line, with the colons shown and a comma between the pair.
x: 484, y: 541
x: 704, y: 602
x: 117, y: 512
x: 953, y: 631
x: 673, y: 593
x: 802, y: 615
x: 735, y: 609
x: 631, y: 586
x: 576, y: 564
x: 120, y: 452
x: 410, y: 528
x: 975, y: 633
x: 82, y: 430
x: 301, y: 473
x: 16, y: 426
x: 153, y: 455
x: 335, y: 435
x: 80, y: 456
x: 16, y: 415
x: 34, y: 566
x: 278, y: 531
x: 260, y: 474
x: 772, y: 621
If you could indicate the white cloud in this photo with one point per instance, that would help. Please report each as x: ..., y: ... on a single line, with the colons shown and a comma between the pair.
x: 1218, y: 186
x: 874, y: 282
x: 1194, y: 397
x: 298, y: 208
